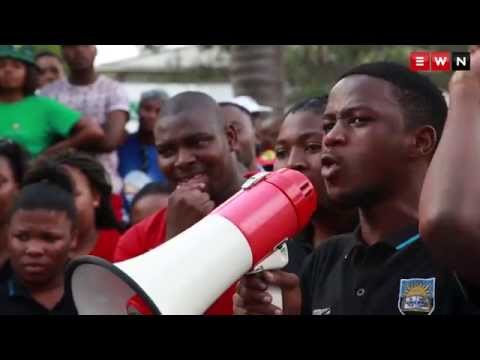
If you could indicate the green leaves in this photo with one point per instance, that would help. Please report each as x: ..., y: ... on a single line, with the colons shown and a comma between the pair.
x: 52, y: 48
x: 312, y: 69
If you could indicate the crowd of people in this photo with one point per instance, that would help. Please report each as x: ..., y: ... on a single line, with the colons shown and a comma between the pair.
x: 394, y: 168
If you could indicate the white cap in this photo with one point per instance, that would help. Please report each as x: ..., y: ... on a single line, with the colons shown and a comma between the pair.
x: 249, y: 104
x: 134, y: 182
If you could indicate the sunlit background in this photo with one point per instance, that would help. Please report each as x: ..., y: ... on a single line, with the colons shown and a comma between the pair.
x: 111, y: 53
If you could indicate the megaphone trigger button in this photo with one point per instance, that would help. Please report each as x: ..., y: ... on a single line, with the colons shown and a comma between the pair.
x: 254, y: 180
x: 257, y: 270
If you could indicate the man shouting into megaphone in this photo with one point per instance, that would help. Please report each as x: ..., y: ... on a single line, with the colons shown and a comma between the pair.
x: 382, y: 125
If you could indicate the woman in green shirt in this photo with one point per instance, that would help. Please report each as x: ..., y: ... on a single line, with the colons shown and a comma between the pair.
x: 41, y: 125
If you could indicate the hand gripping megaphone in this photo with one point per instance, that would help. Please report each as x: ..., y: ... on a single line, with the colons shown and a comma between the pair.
x: 187, y: 274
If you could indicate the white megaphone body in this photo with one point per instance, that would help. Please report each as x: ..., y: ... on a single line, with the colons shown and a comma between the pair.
x: 187, y: 274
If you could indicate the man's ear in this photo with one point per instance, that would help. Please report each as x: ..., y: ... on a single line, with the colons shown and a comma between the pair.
x: 97, y: 198
x: 74, y: 243
x: 425, y: 140
x: 232, y: 137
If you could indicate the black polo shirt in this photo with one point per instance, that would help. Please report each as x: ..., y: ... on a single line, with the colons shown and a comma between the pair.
x: 5, y: 272
x: 15, y: 299
x: 473, y: 292
x: 396, y: 276
x: 299, y: 248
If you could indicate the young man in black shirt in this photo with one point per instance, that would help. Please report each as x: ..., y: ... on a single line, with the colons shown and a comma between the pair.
x: 382, y: 125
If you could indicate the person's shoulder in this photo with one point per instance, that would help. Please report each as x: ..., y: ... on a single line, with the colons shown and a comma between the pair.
x: 142, y: 237
x: 51, y: 104
x: 154, y: 222
x: 106, y: 244
x: 54, y: 87
x: 326, y: 257
x: 114, y: 92
x: 153, y: 226
x: 111, y: 234
x: 334, y: 248
x: 132, y: 140
x: 41, y: 101
x: 109, y: 83
x: 338, y: 242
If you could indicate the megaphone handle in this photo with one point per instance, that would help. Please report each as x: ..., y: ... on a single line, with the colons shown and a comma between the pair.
x: 277, y: 296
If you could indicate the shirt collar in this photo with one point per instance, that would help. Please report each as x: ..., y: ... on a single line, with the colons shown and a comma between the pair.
x: 397, y: 240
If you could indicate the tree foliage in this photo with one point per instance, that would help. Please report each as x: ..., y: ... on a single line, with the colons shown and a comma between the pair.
x: 51, y: 48
x: 312, y: 69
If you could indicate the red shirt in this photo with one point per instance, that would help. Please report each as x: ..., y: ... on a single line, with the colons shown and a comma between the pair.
x: 151, y: 233
x: 106, y: 244
x: 117, y: 206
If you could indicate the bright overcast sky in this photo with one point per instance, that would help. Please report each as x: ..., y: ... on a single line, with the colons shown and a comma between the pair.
x: 110, y: 53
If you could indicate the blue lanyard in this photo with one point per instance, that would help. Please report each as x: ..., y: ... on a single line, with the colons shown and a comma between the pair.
x: 408, y: 242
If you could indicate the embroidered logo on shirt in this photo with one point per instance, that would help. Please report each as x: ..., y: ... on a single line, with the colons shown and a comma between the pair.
x: 417, y: 296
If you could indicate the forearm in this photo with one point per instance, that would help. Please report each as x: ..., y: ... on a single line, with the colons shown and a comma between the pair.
x: 58, y: 147
x: 103, y: 145
x: 83, y: 139
x: 114, y: 134
x: 453, y: 180
x: 449, y: 205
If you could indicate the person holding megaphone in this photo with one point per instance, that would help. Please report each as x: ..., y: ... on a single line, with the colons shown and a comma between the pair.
x: 382, y: 125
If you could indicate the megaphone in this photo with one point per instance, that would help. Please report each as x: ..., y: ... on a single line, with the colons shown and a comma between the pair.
x: 187, y: 274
